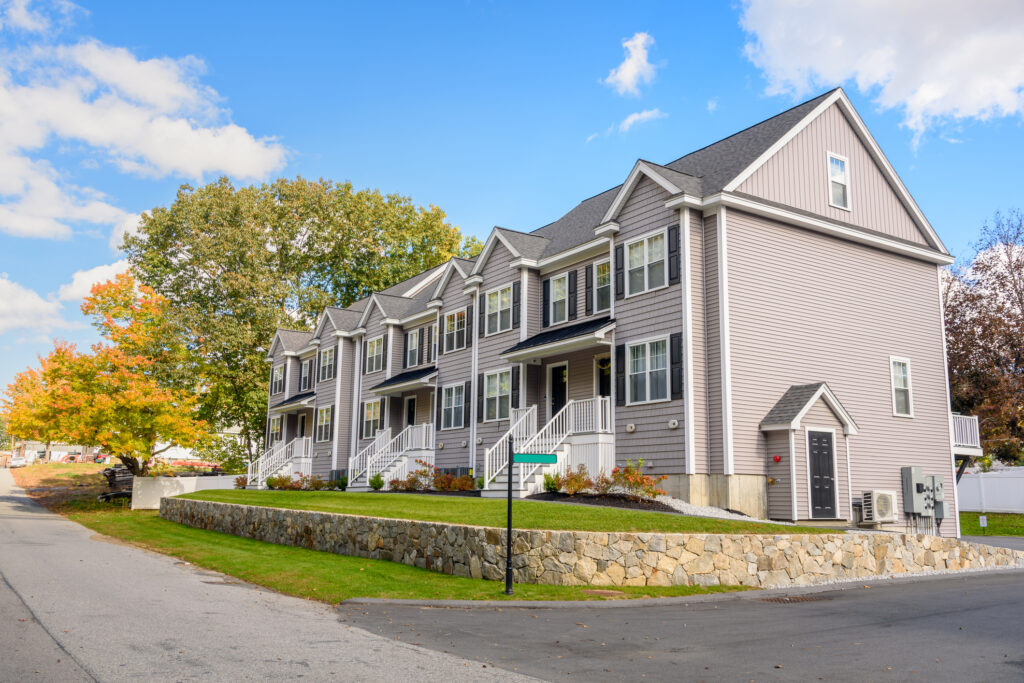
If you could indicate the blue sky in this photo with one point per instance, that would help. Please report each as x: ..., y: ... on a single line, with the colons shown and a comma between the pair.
x: 499, y: 113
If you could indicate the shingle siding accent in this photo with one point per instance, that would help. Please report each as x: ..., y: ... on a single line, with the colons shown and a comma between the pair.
x: 797, y: 176
x: 810, y: 318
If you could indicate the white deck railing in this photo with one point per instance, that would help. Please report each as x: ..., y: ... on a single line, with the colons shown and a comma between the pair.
x: 358, y: 466
x: 278, y: 456
x: 524, y: 426
x: 966, y: 432
x: 413, y: 438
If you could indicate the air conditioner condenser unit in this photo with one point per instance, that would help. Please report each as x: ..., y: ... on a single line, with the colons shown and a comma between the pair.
x: 879, y: 507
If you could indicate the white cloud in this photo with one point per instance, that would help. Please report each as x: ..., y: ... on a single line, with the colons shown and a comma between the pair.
x: 937, y: 60
x: 640, y: 117
x: 83, y: 280
x: 34, y: 17
x: 149, y: 117
x: 712, y: 105
x: 635, y: 68
x: 128, y: 225
x: 23, y: 309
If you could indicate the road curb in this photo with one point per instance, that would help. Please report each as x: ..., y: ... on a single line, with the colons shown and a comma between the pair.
x: 620, y: 603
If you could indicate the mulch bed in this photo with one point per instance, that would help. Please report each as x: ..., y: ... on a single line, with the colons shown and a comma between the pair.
x: 464, y: 494
x: 612, y: 500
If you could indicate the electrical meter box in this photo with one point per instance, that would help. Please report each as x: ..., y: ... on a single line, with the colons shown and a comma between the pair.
x: 917, y: 499
x: 938, y: 486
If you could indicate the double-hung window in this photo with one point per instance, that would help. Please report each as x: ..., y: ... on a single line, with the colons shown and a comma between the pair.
x: 432, y: 348
x: 277, y: 379
x: 326, y: 364
x: 902, y: 402
x: 648, y: 371
x: 838, y: 184
x: 455, y: 331
x: 560, y: 299
x: 497, y: 395
x: 499, y: 310
x: 275, y: 429
x: 324, y: 418
x: 372, y: 421
x: 602, y: 286
x: 412, y: 349
x: 375, y: 354
x: 453, y: 402
x: 647, y: 260
x: 305, y: 375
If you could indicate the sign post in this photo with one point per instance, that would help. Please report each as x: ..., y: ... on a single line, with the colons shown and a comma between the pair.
x: 519, y: 459
x: 983, y: 522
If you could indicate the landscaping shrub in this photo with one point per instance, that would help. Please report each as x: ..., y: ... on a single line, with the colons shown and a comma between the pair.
x: 479, y: 482
x: 551, y: 483
x: 575, y: 481
x: 635, y: 483
x: 376, y: 482
x: 603, y: 485
x: 444, y: 482
x: 315, y: 483
x: 281, y: 482
x: 341, y: 483
x: 241, y: 482
x: 464, y: 483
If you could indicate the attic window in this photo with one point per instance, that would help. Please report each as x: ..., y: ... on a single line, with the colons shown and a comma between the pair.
x: 838, y: 184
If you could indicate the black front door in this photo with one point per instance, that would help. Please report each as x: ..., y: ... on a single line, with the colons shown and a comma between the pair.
x: 410, y: 411
x: 559, y: 388
x: 604, y: 376
x: 302, y: 425
x: 823, y: 479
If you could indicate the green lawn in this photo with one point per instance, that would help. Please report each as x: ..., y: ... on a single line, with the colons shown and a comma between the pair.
x: 999, y: 524
x: 491, y: 512
x: 325, y: 576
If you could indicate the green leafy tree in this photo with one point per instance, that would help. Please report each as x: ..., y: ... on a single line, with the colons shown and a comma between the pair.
x: 235, y: 264
x: 5, y: 436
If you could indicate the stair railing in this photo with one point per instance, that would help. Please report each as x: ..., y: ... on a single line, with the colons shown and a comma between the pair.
x: 362, y: 459
x: 521, y: 430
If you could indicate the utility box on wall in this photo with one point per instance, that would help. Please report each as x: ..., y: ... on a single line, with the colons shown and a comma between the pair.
x: 917, y: 496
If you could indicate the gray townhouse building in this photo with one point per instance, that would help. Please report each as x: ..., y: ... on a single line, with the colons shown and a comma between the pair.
x: 759, y: 320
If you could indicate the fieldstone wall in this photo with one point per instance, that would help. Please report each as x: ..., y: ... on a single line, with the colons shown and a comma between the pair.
x: 597, y: 558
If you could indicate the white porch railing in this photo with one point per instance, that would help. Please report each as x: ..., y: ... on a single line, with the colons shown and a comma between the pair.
x: 297, y: 450
x: 966, y: 432
x: 591, y: 416
x: 358, y: 466
x: 412, y: 438
x: 524, y: 426
x: 597, y: 458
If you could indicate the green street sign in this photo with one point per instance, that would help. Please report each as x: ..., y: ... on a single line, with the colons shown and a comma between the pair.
x: 534, y: 458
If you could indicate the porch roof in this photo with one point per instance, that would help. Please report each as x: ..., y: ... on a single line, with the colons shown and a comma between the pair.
x: 410, y: 379
x: 303, y: 400
x: 562, y: 339
x: 798, y: 399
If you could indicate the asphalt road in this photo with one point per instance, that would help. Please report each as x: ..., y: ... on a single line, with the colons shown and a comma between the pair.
x: 77, y: 608
x: 965, y: 628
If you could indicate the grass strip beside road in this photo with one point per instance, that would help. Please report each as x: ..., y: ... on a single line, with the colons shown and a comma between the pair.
x: 526, y: 514
x: 999, y: 524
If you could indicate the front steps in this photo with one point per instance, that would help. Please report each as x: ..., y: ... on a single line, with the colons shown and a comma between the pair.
x: 387, y: 473
x: 499, y: 487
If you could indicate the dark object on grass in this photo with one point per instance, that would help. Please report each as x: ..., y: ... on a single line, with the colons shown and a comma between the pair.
x: 119, y: 479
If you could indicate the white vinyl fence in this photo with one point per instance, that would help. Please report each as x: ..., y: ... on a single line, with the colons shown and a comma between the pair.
x: 999, y: 491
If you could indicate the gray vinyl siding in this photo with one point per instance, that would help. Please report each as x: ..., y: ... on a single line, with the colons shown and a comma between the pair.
x: 580, y: 267
x: 454, y: 368
x: 581, y: 379
x: 325, y: 395
x: 374, y: 328
x: 820, y: 416
x: 713, y: 350
x: 695, y: 272
x: 644, y: 316
x: 797, y: 175
x: 780, y: 502
x: 810, y: 317
x: 401, y: 350
x: 343, y: 412
x: 532, y: 303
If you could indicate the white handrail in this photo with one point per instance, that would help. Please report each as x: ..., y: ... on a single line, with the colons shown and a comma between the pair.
x: 589, y: 415
x: 522, y: 429
x: 966, y: 431
x: 362, y: 459
x: 276, y: 457
x: 413, y: 437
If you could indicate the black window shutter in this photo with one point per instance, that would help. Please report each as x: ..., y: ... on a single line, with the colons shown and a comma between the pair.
x: 317, y: 373
x: 480, y: 398
x: 405, y: 350
x: 438, y: 398
x: 365, y: 359
x: 467, y: 401
x: 383, y: 413
x: 620, y: 280
x: 545, y: 303
x: 385, y: 351
x: 620, y: 375
x: 469, y: 326
x: 482, y: 312
x: 419, y: 343
x: 362, y: 420
x: 332, y: 423
x: 515, y: 388
x: 588, y: 290
x: 516, y: 287
x: 572, y: 295
x: 673, y: 254
x: 334, y: 365
x: 675, y: 344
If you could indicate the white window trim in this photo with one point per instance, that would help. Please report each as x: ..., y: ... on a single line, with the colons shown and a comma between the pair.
x: 828, y: 180
x: 668, y: 371
x: 380, y: 419
x: 910, y: 387
x: 413, y: 346
x: 273, y: 380
x: 462, y: 410
x: 317, y: 424
x: 487, y: 309
x: 434, y: 343
x: 510, y: 406
x: 334, y: 356
x: 309, y: 362
x: 835, y: 470
x: 551, y: 299
x: 444, y: 326
x: 611, y: 285
x: 625, y: 265
x: 383, y: 350
x: 280, y: 429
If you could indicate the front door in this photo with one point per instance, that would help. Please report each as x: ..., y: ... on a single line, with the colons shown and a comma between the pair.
x: 302, y: 426
x: 558, y: 385
x: 410, y: 411
x: 603, y: 368
x: 823, y: 479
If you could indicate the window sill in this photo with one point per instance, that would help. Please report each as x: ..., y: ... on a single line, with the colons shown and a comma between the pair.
x: 647, y: 291
x: 842, y: 208
x: 904, y: 417
x: 452, y: 429
x: 647, y: 403
x: 497, y: 419
x: 495, y: 334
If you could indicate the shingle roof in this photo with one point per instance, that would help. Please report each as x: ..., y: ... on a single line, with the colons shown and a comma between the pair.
x: 529, y: 245
x: 293, y: 340
x: 791, y: 404
x: 562, y: 333
x: 294, y: 400
x: 407, y: 376
x: 577, y: 226
x: 344, y: 319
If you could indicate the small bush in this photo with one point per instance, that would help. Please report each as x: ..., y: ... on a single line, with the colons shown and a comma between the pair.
x: 341, y: 483
x: 552, y: 483
x: 398, y: 485
x: 376, y: 482
x: 464, y: 483
x: 479, y: 482
x: 575, y: 481
x: 603, y: 485
x: 241, y: 482
x: 280, y: 482
x: 635, y: 483
x: 444, y: 482
x: 315, y: 483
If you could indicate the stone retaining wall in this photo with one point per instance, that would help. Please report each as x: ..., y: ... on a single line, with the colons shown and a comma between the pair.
x: 597, y: 558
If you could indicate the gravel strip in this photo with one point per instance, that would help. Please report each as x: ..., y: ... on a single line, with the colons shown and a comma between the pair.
x: 708, y: 511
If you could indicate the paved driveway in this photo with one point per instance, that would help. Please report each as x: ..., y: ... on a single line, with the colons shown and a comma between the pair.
x: 77, y: 608
x: 1012, y: 542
